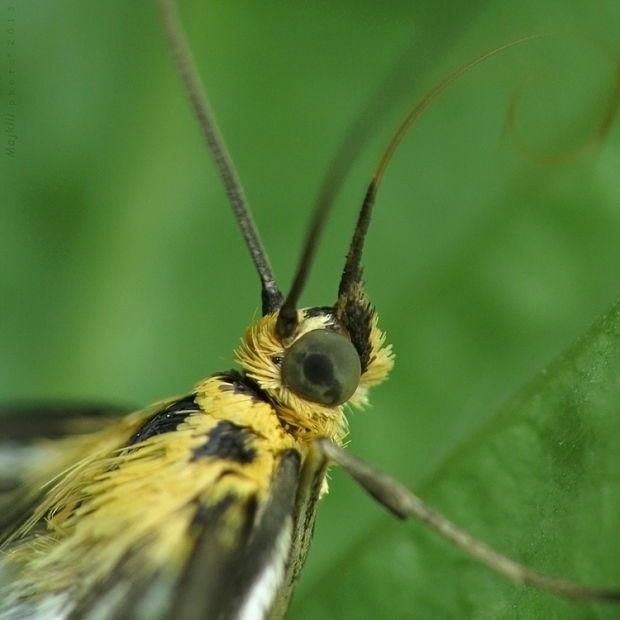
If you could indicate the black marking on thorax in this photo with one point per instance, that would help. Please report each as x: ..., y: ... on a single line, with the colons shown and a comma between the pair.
x: 327, y: 312
x: 227, y: 441
x: 166, y: 420
x: 237, y: 383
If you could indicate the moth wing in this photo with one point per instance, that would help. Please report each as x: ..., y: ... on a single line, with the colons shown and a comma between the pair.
x: 230, y: 545
x: 242, y: 581
x: 26, y: 451
x: 234, y: 570
x: 26, y: 421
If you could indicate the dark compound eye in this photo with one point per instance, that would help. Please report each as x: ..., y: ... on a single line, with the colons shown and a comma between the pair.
x: 322, y: 366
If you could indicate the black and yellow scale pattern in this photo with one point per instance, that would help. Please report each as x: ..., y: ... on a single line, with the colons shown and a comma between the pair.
x: 202, y: 502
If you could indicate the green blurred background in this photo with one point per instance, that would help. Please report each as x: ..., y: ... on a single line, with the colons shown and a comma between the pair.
x: 124, y: 277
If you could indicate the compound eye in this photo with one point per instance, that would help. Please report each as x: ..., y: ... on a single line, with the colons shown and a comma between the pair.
x: 322, y: 366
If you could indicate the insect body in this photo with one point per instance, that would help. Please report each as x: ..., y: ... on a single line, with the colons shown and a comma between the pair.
x: 203, y: 505
x: 216, y: 473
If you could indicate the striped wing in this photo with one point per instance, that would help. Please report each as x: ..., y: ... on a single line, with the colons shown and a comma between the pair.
x: 28, y: 461
x: 185, y: 510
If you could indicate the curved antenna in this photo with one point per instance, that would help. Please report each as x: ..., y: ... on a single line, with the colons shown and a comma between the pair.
x: 357, y: 134
x: 591, y: 142
x: 351, y: 274
x: 270, y: 294
x: 287, y: 317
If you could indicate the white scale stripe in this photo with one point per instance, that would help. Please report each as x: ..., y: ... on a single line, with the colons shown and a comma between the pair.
x: 261, y: 596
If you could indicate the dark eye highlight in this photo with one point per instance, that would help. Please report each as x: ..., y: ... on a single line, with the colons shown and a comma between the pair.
x: 322, y: 366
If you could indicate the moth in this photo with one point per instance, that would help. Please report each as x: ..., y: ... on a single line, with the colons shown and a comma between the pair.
x: 227, y: 442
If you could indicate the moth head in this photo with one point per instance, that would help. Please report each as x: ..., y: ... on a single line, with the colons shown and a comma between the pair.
x: 334, y: 356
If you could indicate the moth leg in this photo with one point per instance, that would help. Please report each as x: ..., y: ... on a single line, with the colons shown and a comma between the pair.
x: 404, y: 504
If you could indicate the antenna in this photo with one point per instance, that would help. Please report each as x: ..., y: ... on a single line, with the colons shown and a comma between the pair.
x: 270, y: 294
x: 287, y: 317
x: 351, y: 274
